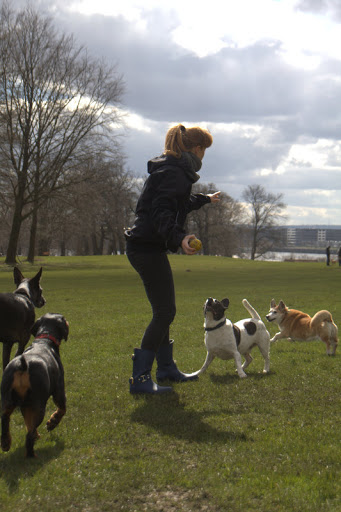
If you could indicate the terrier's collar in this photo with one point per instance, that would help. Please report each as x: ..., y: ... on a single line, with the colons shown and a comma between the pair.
x: 207, y: 329
x: 236, y: 330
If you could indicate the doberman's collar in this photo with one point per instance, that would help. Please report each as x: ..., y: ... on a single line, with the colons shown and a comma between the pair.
x: 49, y: 337
x: 23, y: 293
x: 207, y: 329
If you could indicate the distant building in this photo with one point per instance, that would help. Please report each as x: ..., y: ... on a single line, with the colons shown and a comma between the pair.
x: 311, y: 236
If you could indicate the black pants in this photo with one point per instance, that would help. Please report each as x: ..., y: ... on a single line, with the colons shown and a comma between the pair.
x: 156, y: 274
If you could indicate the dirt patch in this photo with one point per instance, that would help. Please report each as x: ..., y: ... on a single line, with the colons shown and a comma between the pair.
x: 176, y: 500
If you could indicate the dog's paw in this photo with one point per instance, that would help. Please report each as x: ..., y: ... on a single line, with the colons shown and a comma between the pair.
x: 55, y: 419
x: 51, y: 424
x: 243, y: 375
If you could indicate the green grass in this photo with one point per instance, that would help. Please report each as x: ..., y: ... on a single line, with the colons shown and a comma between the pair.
x: 266, y: 443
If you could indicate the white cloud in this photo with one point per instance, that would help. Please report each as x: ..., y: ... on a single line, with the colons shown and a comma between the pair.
x: 307, y: 215
x: 263, y: 76
x: 132, y: 11
x: 137, y: 122
x: 305, y: 37
x: 315, y: 154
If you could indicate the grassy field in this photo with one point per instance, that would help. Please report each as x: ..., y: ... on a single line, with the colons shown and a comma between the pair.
x: 266, y: 443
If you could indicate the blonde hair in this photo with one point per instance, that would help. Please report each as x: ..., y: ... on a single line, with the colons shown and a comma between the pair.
x: 179, y: 139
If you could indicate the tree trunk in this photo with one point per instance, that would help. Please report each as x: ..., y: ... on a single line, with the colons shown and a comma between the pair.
x: 113, y: 245
x: 33, y: 234
x: 102, y: 240
x: 11, y: 255
x: 205, y: 241
x: 254, y: 245
x: 95, y: 249
x: 121, y: 244
x: 85, y: 248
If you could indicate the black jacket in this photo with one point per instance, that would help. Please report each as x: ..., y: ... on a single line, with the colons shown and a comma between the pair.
x: 163, y: 206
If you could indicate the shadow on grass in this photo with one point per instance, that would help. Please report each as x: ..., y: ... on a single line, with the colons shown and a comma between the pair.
x: 228, y: 378
x: 14, y: 466
x: 168, y: 415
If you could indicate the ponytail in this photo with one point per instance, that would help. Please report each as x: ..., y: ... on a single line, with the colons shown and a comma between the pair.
x: 180, y: 139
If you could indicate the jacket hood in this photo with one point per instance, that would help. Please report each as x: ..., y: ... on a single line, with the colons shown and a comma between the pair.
x: 188, y: 161
x: 160, y: 161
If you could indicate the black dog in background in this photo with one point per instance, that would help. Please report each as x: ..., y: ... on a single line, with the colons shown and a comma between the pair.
x: 17, y: 313
x: 31, y: 378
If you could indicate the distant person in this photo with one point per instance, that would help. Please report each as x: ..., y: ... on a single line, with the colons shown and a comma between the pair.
x: 328, y: 255
x: 339, y: 256
x: 161, y: 212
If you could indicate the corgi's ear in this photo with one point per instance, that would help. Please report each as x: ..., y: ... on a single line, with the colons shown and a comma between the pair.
x: 225, y: 303
x: 281, y: 305
x: 272, y: 303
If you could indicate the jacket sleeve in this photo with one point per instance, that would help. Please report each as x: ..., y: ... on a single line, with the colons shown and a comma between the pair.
x: 196, y: 201
x: 165, y: 208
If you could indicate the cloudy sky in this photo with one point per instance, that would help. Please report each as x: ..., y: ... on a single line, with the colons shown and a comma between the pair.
x: 263, y: 76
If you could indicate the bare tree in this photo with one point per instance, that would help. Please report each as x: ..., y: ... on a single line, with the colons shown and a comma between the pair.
x: 57, y: 108
x: 119, y: 200
x: 88, y: 218
x: 216, y: 225
x: 265, y: 213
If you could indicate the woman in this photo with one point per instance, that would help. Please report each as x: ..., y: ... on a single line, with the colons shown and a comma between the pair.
x: 161, y: 212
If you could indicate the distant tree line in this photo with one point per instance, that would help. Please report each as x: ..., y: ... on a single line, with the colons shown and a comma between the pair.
x: 63, y: 184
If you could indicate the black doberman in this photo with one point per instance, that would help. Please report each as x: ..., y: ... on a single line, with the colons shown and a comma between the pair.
x: 17, y: 314
x: 32, y: 377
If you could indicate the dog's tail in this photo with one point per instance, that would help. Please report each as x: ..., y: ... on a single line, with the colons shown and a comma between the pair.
x: 21, y: 378
x: 250, y: 309
x: 15, y: 381
x: 325, y: 317
x: 320, y: 317
x: 22, y: 364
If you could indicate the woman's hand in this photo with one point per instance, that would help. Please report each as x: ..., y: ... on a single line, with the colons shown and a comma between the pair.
x: 185, y: 247
x: 214, y: 197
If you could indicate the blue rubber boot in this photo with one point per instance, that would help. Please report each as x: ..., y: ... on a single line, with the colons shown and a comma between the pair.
x: 141, y: 381
x: 166, y: 367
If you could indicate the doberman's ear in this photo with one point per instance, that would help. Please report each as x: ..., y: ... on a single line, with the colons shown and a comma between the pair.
x: 65, y: 329
x: 18, y: 277
x: 225, y: 303
x: 38, y: 275
x: 62, y: 325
